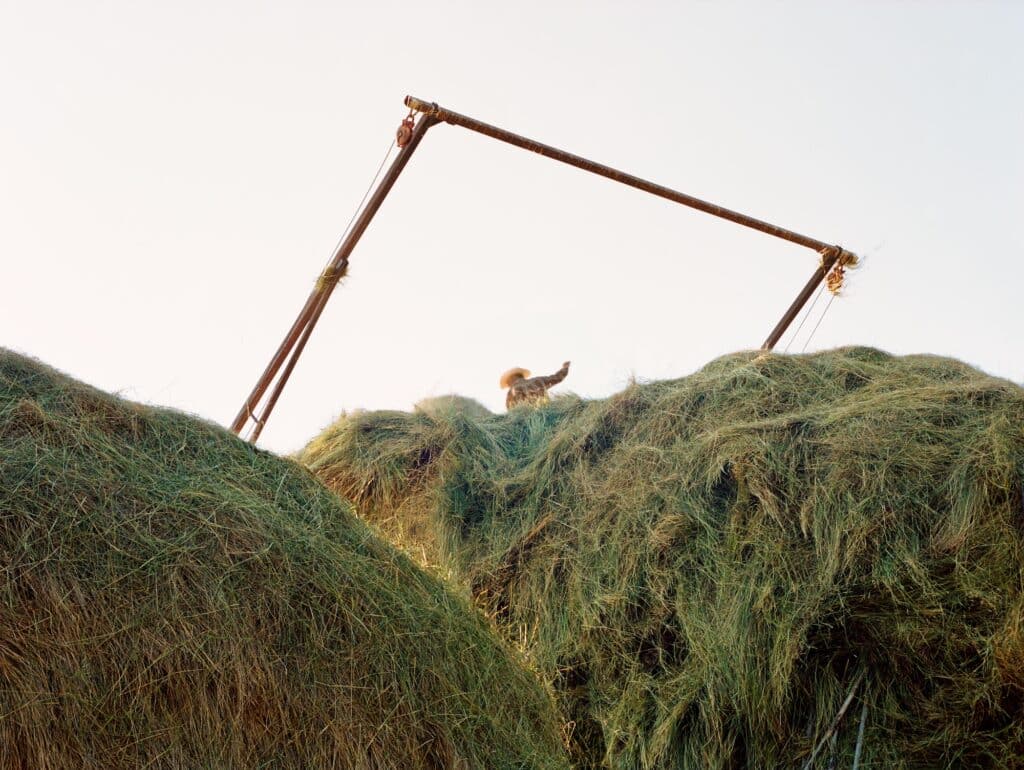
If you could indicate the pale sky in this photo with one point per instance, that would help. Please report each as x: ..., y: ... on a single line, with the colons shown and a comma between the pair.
x: 173, y: 177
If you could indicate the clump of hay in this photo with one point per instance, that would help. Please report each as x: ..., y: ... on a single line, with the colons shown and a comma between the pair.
x: 388, y: 461
x: 171, y: 597
x: 442, y: 405
x: 705, y: 569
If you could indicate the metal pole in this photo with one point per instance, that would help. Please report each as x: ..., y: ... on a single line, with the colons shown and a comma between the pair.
x: 431, y: 113
x: 286, y: 373
x: 324, y: 288
x: 829, y: 252
x: 828, y: 259
x: 447, y: 116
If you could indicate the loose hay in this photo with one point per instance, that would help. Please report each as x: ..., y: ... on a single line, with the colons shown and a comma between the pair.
x: 171, y: 597
x: 703, y: 568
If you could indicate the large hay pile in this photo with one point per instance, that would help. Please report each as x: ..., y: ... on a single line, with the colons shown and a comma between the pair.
x: 171, y: 597
x: 706, y: 568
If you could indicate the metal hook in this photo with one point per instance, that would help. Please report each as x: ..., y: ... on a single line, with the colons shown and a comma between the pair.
x: 404, y: 134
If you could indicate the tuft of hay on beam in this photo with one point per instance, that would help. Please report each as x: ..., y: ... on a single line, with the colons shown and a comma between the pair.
x: 707, y: 569
x: 171, y: 597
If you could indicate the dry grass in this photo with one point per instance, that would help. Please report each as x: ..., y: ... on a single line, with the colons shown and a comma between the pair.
x: 703, y: 568
x: 171, y: 597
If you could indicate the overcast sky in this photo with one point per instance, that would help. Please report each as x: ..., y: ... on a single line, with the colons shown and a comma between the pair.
x: 173, y: 177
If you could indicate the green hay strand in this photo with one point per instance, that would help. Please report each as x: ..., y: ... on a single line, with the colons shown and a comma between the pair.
x: 701, y: 568
x: 171, y: 597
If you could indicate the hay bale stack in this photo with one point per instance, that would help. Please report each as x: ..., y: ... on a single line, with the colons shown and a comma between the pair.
x: 171, y: 597
x: 705, y: 568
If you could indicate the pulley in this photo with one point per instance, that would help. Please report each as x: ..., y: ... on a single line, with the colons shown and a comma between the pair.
x: 404, y: 133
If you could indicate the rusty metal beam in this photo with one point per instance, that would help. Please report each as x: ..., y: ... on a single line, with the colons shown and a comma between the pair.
x: 828, y: 259
x: 295, y: 340
x: 319, y: 296
x: 829, y: 252
x: 448, y: 116
x: 286, y: 373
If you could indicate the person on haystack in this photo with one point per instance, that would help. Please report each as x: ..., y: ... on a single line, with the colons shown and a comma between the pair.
x: 523, y: 389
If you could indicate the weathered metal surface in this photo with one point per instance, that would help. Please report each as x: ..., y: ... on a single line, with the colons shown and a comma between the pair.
x: 828, y: 259
x: 293, y: 359
x: 323, y: 289
x: 404, y: 134
x: 447, y: 116
x: 408, y: 138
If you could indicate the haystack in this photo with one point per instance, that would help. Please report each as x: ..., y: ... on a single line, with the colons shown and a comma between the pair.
x: 171, y: 597
x: 708, y: 569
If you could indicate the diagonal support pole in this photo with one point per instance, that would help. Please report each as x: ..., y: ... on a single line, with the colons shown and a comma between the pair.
x: 310, y: 312
x: 430, y: 113
x: 828, y: 258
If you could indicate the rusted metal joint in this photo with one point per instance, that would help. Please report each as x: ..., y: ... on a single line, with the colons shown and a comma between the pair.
x: 404, y: 134
x: 418, y: 105
x: 835, y: 263
x: 831, y: 255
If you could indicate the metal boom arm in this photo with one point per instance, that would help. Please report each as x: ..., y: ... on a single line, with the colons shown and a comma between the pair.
x: 310, y: 312
x: 431, y: 113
